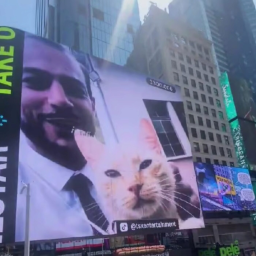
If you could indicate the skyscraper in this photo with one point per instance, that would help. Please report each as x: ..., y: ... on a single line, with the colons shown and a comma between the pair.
x: 104, y: 29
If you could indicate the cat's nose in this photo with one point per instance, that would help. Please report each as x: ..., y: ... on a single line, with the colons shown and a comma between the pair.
x: 135, y: 189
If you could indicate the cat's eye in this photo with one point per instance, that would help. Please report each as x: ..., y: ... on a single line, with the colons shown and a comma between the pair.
x: 145, y: 164
x: 112, y: 173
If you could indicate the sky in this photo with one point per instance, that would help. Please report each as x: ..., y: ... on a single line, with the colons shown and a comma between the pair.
x: 21, y: 13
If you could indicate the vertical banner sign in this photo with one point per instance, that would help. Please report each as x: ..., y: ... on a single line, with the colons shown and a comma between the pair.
x: 228, y: 97
x: 11, y: 54
x: 239, y: 144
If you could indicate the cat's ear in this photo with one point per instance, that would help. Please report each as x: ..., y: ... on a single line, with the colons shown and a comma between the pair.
x: 89, y: 146
x: 148, y: 137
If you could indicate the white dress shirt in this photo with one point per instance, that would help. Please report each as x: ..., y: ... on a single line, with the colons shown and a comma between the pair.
x: 54, y: 213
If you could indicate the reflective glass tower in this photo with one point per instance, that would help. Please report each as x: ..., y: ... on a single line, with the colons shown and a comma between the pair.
x: 102, y: 28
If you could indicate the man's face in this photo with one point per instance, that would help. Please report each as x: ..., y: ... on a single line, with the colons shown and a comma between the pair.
x: 54, y: 97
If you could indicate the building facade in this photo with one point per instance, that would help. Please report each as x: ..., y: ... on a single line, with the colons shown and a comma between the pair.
x: 178, y: 54
x: 104, y: 29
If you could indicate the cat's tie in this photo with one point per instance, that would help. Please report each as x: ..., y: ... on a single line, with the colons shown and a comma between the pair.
x: 80, y: 185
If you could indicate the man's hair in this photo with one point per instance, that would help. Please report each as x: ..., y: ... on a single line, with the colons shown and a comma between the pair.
x: 66, y: 50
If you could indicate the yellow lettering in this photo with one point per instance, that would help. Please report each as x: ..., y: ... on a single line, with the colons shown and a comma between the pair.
x: 4, y: 77
x: 4, y: 62
x: 5, y: 91
x: 7, y: 36
x: 5, y: 52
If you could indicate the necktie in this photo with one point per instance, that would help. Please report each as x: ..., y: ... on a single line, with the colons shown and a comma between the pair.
x: 80, y: 185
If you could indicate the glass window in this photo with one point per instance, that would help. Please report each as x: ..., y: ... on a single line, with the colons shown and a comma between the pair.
x: 211, y: 70
x: 192, y: 44
x: 222, y: 153
x: 216, y: 93
x: 221, y: 116
x: 200, y: 120
x: 213, y: 112
x: 226, y: 139
x: 98, y: 14
x: 206, y: 111
x: 205, y: 148
x: 193, y: 83
x: 188, y: 60
x: 199, y: 47
x: 206, y: 78
x: 196, y: 147
x: 184, y: 80
x: 206, y: 51
x: 197, y: 63
x: 187, y: 93
x: 211, y: 100
x: 204, y: 66
x: 213, y: 148
x: 203, y: 135
x: 182, y: 67
x: 189, y: 105
x: 198, y: 74
x: 201, y: 86
x: 191, y: 119
x: 181, y: 57
x: 216, y: 161
x: 219, y: 138
x: 195, y: 95
x: 213, y: 80
x: 229, y: 153
x: 211, y: 136
x: 216, y: 125
x: 199, y: 160
x: 203, y: 98
x: 172, y: 53
x: 208, y: 88
x: 218, y: 103
x: 198, y: 109
x: 208, y: 123
x: 232, y: 164
x: 176, y: 77
x: 224, y: 163
x: 193, y: 132
x: 190, y: 70
x: 223, y: 127
x: 208, y: 160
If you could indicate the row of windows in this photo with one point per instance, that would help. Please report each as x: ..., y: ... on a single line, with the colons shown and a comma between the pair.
x: 206, y: 112
x: 189, y: 61
x: 200, y: 121
x: 215, y: 161
x: 212, y: 150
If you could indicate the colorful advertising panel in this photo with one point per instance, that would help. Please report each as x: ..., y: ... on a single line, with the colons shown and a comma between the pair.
x: 224, y: 188
x: 102, y: 149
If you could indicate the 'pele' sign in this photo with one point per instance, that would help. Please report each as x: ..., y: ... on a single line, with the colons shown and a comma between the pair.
x: 232, y: 250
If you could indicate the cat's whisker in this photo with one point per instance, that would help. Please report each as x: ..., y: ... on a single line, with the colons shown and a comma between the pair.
x: 174, y: 191
x: 163, y: 206
x: 92, y: 207
x: 187, y: 202
x: 168, y: 178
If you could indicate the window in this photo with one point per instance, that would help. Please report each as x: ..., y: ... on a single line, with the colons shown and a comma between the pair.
x: 218, y: 103
x: 184, y: 80
x: 226, y: 140
x: 201, y: 86
x: 187, y: 93
x: 190, y: 70
x: 203, y: 98
x: 188, y: 60
x: 195, y: 95
x: 204, y: 66
x: 206, y: 111
x: 98, y: 14
x: 208, y: 88
x: 215, y: 161
x: 208, y: 123
x: 196, y: 147
x: 182, y: 68
x: 203, y: 135
x: 174, y: 64
x: 206, y: 78
x: 193, y: 132
x: 198, y: 109
x: 192, y: 44
x: 216, y: 125
x: 197, y: 63
x: 191, y: 119
x: 205, y: 148
x: 198, y: 74
x: 211, y: 100
x: 223, y: 127
x: 176, y: 77
x: 222, y: 153
x: 213, y: 148
x: 130, y: 29
x: 221, y: 116
x: 213, y: 80
x: 181, y: 57
x: 172, y: 53
x: 206, y: 51
x: 215, y: 91
x: 189, y: 105
x: 229, y: 153
x: 193, y: 52
x: 211, y: 70
x: 200, y: 120
x: 199, y: 47
x: 213, y: 112
x: 199, y: 159
x: 208, y: 160
x: 224, y: 163
x: 211, y: 136
x: 232, y: 164
x: 219, y: 138
x: 193, y: 83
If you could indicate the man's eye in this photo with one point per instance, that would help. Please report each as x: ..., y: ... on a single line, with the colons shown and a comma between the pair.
x: 112, y: 173
x: 37, y: 83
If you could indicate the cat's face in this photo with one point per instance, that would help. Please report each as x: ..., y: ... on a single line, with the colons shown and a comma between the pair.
x: 132, y: 182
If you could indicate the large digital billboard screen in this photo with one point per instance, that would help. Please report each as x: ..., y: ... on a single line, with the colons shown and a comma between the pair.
x: 96, y: 143
x: 224, y: 188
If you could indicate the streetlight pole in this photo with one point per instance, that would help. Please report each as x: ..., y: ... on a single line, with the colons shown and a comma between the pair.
x: 27, y: 241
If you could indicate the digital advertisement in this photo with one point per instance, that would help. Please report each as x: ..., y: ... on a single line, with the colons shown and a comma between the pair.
x: 101, y: 149
x: 224, y: 188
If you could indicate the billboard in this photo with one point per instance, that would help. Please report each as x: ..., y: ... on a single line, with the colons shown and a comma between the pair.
x: 103, y: 149
x: 224, y: 188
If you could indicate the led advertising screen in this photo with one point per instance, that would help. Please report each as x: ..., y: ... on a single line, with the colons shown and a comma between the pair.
x: 223, y: 188
x: 101, y: 149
